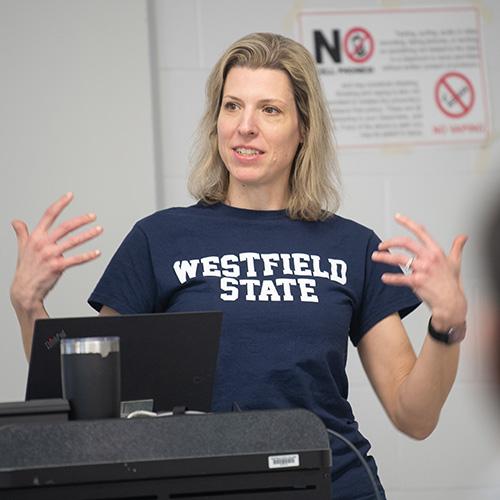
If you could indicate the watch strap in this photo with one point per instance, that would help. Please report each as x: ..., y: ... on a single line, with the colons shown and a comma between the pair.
x: 452, y: 336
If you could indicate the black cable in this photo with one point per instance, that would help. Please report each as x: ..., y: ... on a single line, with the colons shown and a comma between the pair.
x: 361, y: 459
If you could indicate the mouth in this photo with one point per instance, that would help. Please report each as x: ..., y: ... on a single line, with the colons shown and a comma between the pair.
x: 247, y: 152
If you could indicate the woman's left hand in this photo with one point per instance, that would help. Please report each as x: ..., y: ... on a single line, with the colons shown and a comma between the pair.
x: 430, y: 273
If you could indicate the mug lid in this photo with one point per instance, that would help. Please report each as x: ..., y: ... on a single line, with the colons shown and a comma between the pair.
x: 90, y: 345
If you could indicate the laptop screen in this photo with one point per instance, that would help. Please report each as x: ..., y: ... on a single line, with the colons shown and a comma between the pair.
x: 168, y: 357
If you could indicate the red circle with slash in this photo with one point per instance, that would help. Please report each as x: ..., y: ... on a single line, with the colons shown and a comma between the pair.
x: 454, y: 94
x: 358, y: 45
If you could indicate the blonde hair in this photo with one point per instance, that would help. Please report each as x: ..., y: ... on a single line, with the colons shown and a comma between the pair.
x: 315, y: 178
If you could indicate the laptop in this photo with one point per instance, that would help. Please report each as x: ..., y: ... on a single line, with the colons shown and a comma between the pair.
x: 168, y: 357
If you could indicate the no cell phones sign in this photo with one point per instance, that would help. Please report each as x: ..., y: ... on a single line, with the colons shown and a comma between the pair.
x: 358, y: 45
x: 401, y: 76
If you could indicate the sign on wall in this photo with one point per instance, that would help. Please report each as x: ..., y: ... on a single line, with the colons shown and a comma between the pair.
x: 401, y: 76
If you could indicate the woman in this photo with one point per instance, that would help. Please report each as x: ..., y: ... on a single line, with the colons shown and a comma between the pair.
x: 263, y: 245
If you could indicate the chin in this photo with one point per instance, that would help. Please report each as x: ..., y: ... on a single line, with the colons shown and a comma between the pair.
x: 245, y: 175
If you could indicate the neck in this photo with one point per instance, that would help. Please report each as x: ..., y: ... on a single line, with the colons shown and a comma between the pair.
x: 256, y: 197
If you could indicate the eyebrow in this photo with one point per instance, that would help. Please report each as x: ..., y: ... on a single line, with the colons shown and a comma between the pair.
x: 269, y: 100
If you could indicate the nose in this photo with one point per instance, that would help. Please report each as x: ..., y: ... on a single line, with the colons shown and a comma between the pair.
x: 248, y: 124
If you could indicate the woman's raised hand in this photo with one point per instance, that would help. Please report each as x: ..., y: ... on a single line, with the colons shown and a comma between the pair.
x: 431, y: 273
x: 41, y: 260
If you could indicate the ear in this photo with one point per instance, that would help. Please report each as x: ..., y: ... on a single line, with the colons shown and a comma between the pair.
x: 301, y: 134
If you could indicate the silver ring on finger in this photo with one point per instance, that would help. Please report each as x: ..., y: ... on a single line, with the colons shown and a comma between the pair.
x: 407, y: 268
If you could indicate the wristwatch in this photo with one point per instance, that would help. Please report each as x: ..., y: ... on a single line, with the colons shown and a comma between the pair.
x: 452, y: 336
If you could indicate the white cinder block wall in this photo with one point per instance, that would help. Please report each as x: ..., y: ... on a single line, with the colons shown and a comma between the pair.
x: 75, y: 107
x: 442, y: 187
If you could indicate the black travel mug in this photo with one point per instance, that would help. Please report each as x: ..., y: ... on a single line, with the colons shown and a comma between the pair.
x: 91, y: 377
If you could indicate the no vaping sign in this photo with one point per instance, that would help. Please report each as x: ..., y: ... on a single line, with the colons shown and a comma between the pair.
x: 401, y: 76
x: 454, y: 94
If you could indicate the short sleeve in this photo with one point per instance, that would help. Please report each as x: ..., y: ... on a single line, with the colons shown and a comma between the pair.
x: 128, y: 284
x: 379, y: 300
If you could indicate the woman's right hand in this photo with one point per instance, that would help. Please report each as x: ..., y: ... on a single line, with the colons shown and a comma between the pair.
x: 41, y: 259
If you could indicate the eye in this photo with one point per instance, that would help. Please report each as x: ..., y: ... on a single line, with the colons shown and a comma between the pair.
x: 230, y: 106
x: 271, y: 110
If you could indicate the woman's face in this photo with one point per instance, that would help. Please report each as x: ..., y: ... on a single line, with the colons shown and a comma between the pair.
x: 258, y: 127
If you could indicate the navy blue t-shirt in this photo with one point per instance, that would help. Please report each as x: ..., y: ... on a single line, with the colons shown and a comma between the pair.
x: 292, y: 293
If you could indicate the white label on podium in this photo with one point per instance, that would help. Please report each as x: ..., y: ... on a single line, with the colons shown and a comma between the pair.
x: 281, y: 461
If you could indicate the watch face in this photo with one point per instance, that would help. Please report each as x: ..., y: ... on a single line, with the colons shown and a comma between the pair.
x: 456, y: 334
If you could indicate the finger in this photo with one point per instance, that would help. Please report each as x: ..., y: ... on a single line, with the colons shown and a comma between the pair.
x: 82, y: 258
x: 393, y: 259
x: 457, y: 248
x: 53, y: 212
x: 70, y: 225
x: 417, y: 229
x: 397, y: 279
x: 79, y: 239
x: 402, y: 242
x: 22, y: 233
